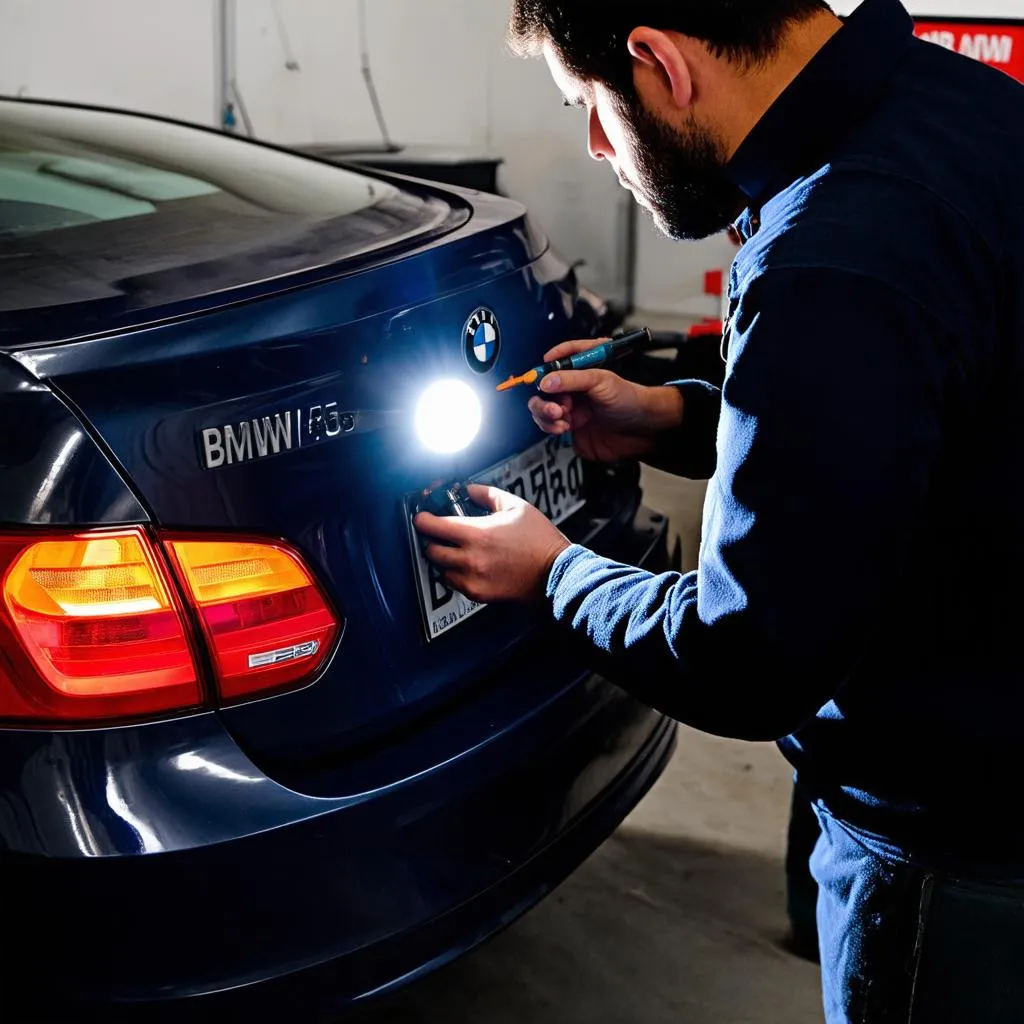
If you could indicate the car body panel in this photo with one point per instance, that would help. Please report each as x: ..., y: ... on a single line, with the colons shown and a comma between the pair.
x: 151, y: 395
x: 53, y: 472
x: 236, y: 927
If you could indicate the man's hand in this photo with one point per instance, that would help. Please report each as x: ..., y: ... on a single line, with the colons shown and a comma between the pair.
x: 506, y: 556
x: 610, y: 418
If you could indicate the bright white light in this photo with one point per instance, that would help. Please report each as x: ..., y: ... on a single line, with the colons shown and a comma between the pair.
x: 448, y: 417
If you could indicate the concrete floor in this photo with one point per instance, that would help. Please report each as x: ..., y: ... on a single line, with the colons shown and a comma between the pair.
x: 675, y: 919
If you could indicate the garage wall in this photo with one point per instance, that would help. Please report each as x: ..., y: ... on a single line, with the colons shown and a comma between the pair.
x: 127, y: 53
x: 443, y: 77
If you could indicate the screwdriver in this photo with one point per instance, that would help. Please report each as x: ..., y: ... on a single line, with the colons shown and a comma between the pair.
x: 600, y: 355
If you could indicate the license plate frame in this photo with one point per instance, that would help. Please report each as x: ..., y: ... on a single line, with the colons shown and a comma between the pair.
x: 548, y: 474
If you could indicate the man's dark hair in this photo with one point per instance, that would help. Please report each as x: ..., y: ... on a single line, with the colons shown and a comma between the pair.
x: 591, y: 35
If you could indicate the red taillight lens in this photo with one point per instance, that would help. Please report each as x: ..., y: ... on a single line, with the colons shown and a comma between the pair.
x: 92, y: 625
x: 267, y: 624
x: 98, y: 632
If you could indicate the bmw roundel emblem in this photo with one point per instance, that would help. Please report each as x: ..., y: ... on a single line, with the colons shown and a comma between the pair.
x: 481, y: 340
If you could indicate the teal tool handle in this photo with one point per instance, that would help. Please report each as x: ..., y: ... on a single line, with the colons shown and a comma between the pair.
x: 599, y: 356
x: 591, y: 358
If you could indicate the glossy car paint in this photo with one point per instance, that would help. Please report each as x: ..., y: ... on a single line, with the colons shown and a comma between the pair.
x: 326, y: 844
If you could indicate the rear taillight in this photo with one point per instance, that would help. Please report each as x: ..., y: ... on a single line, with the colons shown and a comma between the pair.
x: 265, y: 620
x: 95, y: 627
x: 100, y: 632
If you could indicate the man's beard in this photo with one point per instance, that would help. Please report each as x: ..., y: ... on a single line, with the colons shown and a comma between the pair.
x: 682, y: 176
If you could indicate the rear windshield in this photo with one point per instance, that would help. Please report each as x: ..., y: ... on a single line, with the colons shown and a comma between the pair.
x: 105, y: 213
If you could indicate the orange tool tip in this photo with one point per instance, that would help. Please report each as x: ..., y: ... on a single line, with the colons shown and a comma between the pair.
x: 514, y: 382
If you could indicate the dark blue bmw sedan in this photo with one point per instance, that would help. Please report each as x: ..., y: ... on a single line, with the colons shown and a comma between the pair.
x: 254, y: 757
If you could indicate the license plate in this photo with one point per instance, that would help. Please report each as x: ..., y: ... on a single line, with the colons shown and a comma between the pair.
x: 549, y: 476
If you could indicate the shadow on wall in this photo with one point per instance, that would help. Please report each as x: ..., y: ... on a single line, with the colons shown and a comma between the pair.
x: 652, y: 929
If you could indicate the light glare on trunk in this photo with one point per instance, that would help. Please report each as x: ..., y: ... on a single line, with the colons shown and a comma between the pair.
x: 448, y: 417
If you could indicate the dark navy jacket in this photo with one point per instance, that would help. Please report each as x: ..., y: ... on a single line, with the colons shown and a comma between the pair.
x: 861, y: 582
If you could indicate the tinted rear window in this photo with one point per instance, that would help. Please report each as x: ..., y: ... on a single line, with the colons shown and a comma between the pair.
x: 111, y: 214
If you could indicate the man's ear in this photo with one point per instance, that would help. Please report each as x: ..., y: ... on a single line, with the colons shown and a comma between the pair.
x: 658, y: 52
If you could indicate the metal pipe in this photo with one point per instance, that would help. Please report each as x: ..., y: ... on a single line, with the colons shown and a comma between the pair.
x: 243, y: 109
x: 221, y: 74
x: 228, y: 95
x: 371, y: 86
x: 226, y: 54
x: 290, y: 60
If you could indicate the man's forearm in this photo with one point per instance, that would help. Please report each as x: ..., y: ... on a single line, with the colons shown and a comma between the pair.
x: 685, y: 419
x: 665, y: 409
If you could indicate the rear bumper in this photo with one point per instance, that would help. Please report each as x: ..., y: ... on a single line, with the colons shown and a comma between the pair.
x: 200, y: 888
x: 299, y: 922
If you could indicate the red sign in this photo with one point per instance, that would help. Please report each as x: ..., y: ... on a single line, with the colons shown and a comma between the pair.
x: 998, y: 44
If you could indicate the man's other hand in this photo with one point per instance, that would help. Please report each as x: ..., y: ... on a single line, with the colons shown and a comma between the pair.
x: 506, y: 556
x: 610, y: 418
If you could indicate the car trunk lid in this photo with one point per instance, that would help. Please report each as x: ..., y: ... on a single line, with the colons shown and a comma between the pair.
x: 292, y: 417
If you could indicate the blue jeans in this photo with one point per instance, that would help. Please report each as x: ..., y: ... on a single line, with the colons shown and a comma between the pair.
x: 901, y: 944
x: 867, y: 927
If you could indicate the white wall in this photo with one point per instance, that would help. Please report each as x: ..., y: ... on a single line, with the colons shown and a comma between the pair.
x: 443, y: 76
x: 143, y: 54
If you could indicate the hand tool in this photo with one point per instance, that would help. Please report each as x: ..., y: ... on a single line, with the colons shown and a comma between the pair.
x: 600, y: 355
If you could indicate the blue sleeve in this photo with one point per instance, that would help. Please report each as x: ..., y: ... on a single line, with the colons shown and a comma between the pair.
x: 831, y: 427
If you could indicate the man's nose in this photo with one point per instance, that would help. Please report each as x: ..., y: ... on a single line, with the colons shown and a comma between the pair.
x: 597, y: 139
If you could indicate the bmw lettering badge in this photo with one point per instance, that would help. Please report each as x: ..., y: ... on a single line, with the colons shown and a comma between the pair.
x: 482, y: 340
